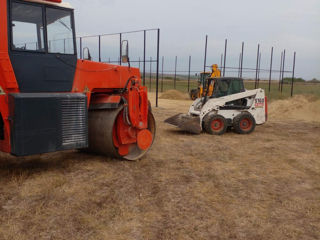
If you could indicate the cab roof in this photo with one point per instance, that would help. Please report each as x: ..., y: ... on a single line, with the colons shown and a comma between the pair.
x: 52, y: 3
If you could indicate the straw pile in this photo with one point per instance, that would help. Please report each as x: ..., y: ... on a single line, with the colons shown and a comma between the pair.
x: 174, y: 95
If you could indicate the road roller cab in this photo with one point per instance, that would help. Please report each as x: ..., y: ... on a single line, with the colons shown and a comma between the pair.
x: 50, y: 100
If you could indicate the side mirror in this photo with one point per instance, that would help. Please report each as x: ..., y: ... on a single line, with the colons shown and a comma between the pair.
x: 125, y: 51
x: 86, y: 54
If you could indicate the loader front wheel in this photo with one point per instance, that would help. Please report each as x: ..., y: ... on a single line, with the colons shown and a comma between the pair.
x: 215, y: 124
x: 244, y: 123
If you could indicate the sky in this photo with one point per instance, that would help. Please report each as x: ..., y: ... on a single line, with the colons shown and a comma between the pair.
x: 293, y: 25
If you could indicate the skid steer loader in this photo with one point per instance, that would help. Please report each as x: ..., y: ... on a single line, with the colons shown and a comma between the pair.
x: 230, y: 105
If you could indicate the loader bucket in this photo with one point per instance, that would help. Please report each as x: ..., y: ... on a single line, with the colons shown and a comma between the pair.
x: 185, y: 122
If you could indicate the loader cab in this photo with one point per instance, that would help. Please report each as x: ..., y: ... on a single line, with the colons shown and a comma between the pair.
x: 42, y: 45
x: 227, y: 86
x: 203, y: 77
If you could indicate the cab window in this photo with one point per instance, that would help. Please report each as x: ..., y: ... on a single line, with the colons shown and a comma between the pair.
x: 42, y: 28
x: 60, y: 31
x: 27, y: 27
x: 236, y: 87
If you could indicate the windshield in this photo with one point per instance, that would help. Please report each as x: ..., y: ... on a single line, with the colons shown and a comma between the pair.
x: 60, y: 32
x: 224, y: 87
x: 29, y: 28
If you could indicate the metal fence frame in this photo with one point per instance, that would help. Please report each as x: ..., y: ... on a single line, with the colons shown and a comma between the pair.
x: 118, y: 61
x: 237, y: 69
x: 240, y: 69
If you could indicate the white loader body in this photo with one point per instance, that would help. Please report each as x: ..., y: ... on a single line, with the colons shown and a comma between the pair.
x: 256, y: 105
x: 229, y: 106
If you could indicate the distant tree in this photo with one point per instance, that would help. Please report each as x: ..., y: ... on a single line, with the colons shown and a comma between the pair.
x: 288, y: 80
x: 314, y: 80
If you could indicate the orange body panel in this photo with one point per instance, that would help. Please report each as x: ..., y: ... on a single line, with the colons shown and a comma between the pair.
x: 98, y: 79
x: 106, y: 99
x: 8, y: 81
x: 91, y: 77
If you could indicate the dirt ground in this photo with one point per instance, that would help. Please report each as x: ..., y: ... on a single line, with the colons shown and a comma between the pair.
x: 262, y: 186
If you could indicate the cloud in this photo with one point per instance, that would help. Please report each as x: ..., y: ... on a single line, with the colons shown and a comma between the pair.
x: 287, y: 24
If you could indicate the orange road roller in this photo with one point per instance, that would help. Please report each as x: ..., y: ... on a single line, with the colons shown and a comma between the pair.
x: 52, y: 101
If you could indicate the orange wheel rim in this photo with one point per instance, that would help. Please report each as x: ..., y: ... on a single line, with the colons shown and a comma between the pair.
x: 246, y: 124
x: 217, y: 125
x: 144, y: 139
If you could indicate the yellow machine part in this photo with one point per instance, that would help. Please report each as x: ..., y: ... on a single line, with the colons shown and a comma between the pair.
x: 214, y: 74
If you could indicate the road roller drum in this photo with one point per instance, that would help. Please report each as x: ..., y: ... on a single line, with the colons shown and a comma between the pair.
x: 111, y: 135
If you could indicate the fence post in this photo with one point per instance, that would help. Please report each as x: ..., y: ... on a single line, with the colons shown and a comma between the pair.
x: 162, y: 73
x: 175, y: 72
x: 120, y: 36
x: 99, y: 48
x: 80, y: 47
x: 144, y: 56
x: 259, y: 69
x: 270, y: 73
x: 189, y: 73
x: 157, y: 74
x: 257, y: 66
x: 241, y: 67
x: 205, y: 54
x: 225, y: 56
x: 150, y: 86
x: 284, y: 59
x: 293, y: 69
x: 205, y: 60
x: 280, y: 71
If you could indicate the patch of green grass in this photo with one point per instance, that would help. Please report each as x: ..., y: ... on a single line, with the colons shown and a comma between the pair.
x: 305, y: 88
x: 298, y: 89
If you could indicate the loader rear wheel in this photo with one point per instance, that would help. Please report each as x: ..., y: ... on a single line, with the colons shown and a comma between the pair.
x: 105, y: 128
x: 215, y: 124
x: 244, y: 123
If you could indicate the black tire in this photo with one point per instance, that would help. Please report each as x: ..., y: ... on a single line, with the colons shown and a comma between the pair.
x: 149, y: 106
x: 215, y: 124
x: 194, y: 94
x: 244, y: 123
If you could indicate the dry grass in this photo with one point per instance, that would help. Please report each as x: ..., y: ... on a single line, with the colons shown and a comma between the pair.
x: 262, y: 186
x: 174, y: 95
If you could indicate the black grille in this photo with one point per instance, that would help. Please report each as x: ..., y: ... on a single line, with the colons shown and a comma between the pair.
x: 48, y: 122
x: 74, y: 122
